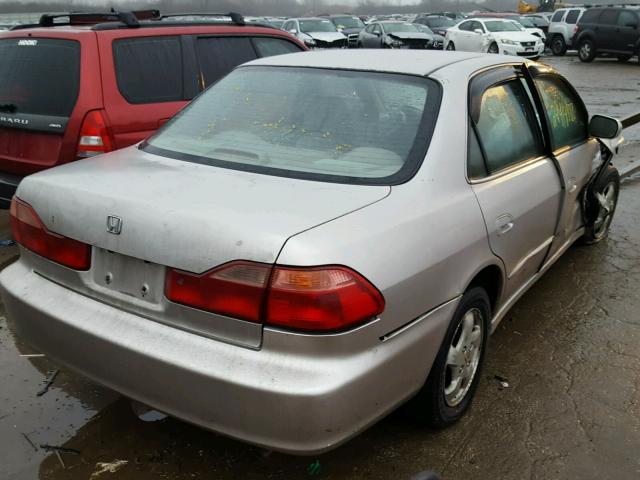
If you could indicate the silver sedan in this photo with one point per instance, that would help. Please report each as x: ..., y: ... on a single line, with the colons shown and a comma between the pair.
x: 315, y: 240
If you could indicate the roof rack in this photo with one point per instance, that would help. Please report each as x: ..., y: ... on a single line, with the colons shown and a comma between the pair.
x: 130, y: 19
x: 235, y: 17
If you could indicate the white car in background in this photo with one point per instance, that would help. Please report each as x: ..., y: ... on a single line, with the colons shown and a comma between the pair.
x: 316, y: 32
x: 536, y: 32
x: 493, y: 35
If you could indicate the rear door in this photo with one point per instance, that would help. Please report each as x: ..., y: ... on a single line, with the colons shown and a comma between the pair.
x: 606, y: 35
x: 515, y: 182
x: 46, y: 86
x: 627, y: 29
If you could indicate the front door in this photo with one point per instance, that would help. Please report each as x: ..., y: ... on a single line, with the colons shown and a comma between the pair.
x: 574, y: 151
x: 515, y: 182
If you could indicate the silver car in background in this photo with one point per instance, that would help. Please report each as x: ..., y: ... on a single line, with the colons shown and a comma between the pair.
x: 315, y: 240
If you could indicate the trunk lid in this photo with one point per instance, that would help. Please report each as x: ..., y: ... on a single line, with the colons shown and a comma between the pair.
x: 40, y: 79
x: 185, y: 215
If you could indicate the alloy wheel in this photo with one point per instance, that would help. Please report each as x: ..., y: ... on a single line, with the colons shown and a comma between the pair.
x: 463, y: 357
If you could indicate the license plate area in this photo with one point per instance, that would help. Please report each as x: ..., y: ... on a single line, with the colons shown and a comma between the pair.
x: 128, y: 277
x: 528, y: 49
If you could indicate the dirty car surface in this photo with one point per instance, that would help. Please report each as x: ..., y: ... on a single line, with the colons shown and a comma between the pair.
x: 311, y: 242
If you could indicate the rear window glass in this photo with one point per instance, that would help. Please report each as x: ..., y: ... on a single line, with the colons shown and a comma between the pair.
x: 267, y: 47
x: 609, y: 17
x: 149, y: 69
x: 590, y: 16
x: 39, y: 76
x: 345, y: 126
x: 572, y: 16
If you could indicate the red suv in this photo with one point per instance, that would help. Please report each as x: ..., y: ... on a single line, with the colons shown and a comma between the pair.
x: 78, y: 85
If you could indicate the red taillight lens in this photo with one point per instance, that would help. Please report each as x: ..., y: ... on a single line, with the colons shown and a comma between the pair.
x: 94, y: 135
x: 311, y: 299
x: 29, y: 231
x: 236, y: 289
x: 320, y: 299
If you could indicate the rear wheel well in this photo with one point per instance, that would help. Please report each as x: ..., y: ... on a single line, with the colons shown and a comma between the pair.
x: 490, y: 279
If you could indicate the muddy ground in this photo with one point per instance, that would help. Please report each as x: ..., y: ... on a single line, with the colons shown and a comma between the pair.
x: 569, y: 351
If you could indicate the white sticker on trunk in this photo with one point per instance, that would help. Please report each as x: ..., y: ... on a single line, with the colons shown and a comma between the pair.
x: 27, y: 43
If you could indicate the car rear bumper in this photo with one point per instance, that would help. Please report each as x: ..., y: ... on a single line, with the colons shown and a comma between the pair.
x: 304, y: 400
x: 8, y: 186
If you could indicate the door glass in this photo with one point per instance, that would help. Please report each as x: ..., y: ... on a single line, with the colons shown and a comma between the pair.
x: 557, y: 17
x: 476, y: 167
x: 507, y: 126
x: 565, y: 112
x: 465, y: 26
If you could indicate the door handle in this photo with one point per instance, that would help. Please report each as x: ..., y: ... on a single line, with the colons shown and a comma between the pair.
x: 504, y: 224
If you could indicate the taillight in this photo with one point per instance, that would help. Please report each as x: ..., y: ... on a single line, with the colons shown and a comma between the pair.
x: 311, y: 299
x: 29, y: 231
x: 236, y: 289
x: 94, y: 135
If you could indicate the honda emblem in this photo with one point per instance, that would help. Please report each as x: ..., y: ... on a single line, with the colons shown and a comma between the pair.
x: 114, y: 225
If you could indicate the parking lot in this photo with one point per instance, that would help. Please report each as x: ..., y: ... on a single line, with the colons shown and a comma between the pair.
x: 559, y: 397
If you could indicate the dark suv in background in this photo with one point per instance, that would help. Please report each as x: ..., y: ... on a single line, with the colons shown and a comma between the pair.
x: 612, y: 31
x: 348, y: 25
x: 78, y: 85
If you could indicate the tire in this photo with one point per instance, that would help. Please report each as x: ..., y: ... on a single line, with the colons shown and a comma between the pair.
x: 624, y: 58
x: 586, y: 50
x: 607, y: 190
x: 558, y: 45
x: 451, y: 46
x: 433, y: 405
x: 493, y: 48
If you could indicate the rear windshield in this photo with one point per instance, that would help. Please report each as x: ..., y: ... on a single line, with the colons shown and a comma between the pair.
x: 340, y: 126
x: 39, y: 76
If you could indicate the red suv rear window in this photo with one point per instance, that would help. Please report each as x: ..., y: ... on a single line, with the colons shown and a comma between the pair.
x: 39, y: 76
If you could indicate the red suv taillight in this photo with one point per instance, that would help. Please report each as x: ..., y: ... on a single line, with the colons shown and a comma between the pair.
x: 94, y: 135
x: 29, y: 231
x: 312, y: 299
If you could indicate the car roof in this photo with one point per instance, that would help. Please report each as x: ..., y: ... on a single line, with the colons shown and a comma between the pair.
x: 408, y: 62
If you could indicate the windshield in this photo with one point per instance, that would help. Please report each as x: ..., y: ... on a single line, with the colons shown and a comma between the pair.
x: 501, y: 26
x: 347, y: 22
x: 316, y: 26
x: 360, y: 127
x: 524, y: 21
x: 399, y: 27
x: 423, y: 28
x: 440, y: 22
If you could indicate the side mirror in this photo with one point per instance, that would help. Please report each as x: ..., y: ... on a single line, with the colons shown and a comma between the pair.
x: 377, y: 34
x: 477, y: 30
x: 293, y: 30
x: 632, y: 25
x: 601, y: 126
